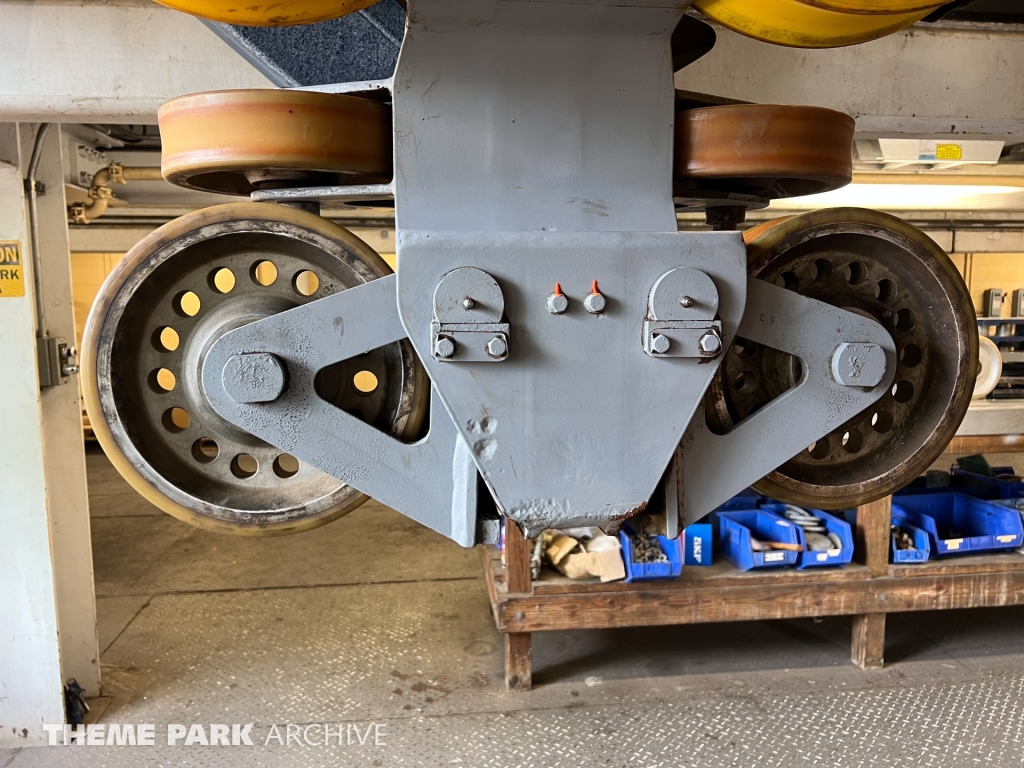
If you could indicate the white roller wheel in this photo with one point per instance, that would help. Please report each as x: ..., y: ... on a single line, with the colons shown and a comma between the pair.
x: 990, y: 368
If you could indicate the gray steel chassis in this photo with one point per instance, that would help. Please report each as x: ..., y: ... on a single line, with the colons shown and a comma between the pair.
x: 533, y: 147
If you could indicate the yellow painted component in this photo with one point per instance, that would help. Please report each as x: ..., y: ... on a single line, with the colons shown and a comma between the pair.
x: 109, y: 292
x: 798, y: 25
x: 12, y: 270
x: 874, y: 6
x: 276, y: 13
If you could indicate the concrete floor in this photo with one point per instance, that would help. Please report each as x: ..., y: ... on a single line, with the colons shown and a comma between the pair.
x: 375, y: 620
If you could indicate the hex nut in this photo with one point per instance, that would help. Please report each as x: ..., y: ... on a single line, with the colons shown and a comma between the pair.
x: 595, y: 303
x: 710, y: 343
x: 857, y: 364
x: 444, y: 347
x: 558, y: 303
x: 257, y: 377
x: 497, y: 348
x: 660, y: 344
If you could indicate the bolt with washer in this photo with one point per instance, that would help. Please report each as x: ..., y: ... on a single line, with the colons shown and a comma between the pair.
x: 857, y: 364
x: 660, y: 344
x: 710, y: 343
x: 557, y: 301
x: 497, y: 348
x: 468, y: 303
x: 595, y: 301
x: 686, y: 302
x: 444, y: 347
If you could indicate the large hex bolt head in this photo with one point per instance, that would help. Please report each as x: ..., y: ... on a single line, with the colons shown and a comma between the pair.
x: 557, y: 303
x: 444, y: 347
x: 497, y: 348
x: 710, y: 343
x: 856, y: 364
x: 660, y: 344
x: 259, y: 377
x: 595, y: 303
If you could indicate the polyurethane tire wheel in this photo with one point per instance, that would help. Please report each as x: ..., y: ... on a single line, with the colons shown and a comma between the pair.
x: 765, y: 150
x: 878, y: 7
x: 798, y: 25
x: 990, y: 368
x: 234, y: 141
x: 278, y: 13
x: 880, y: 267
x: 159, y: 312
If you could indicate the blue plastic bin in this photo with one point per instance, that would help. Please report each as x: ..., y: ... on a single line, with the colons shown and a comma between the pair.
x: 923, y: 548
x: 832, y: 524
x: 673, y: 548
x: 993, y: 487
x: 745, y: 500
x: 957, y: 484
x: 735, y: 529
x: 958, y: 524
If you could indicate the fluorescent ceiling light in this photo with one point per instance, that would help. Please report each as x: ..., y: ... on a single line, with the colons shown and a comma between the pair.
x: 912, y: 197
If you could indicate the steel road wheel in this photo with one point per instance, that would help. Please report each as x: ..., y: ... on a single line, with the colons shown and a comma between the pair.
x: 278, y: 13
x: 881, y: 267
x: 236, y: 142
x: 764, y: 150
x: 800, y: 25
x: 158, y: 314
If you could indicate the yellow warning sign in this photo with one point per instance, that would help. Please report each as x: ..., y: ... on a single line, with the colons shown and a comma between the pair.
x: 12, y: 276
x: 949, y: 152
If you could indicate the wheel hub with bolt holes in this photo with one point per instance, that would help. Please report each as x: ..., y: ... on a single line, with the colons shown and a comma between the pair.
x: 880, y: 267
x: 160, y: 312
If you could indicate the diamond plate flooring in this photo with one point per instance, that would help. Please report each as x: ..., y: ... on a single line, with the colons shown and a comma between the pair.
x: 374, y: 622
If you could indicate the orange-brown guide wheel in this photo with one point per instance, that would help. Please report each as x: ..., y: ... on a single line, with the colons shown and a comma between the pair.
x: 235, y: 142
x: 765, y: 150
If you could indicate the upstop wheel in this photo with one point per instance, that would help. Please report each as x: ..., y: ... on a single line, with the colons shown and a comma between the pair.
x: 158, y: 314
x: 235, y: 142
x: 816, y: 23
x: 880, y: 267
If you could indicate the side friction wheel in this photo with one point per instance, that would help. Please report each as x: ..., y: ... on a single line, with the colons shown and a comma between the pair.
x: 160, y: 311
x: 765, y: 150
x: 277, y: 13
x: 880, y: 267
x: 815, y: 23
x: 236, y: 142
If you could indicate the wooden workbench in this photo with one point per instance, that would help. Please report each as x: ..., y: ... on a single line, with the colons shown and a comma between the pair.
x: 867, y: 589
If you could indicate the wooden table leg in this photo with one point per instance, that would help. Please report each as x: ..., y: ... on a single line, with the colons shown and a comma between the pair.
x: 873, y: 523
x: 518, y: 661
x: 518, y: 645
x: 868, y: 650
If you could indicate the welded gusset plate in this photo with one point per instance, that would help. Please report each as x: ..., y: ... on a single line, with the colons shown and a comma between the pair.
x: 577, y: 425
x: 431, y: 481
x: 717, y: 466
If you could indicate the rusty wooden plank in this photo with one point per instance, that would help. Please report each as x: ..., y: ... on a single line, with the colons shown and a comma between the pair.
x: 518, y: 661
x: 868, y: 641
x: 694, y: 605
x: 721, y: 573
x: 971, y: 444
x: 872, y: 535
x: 956, y: 566
x: 517, y: 560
